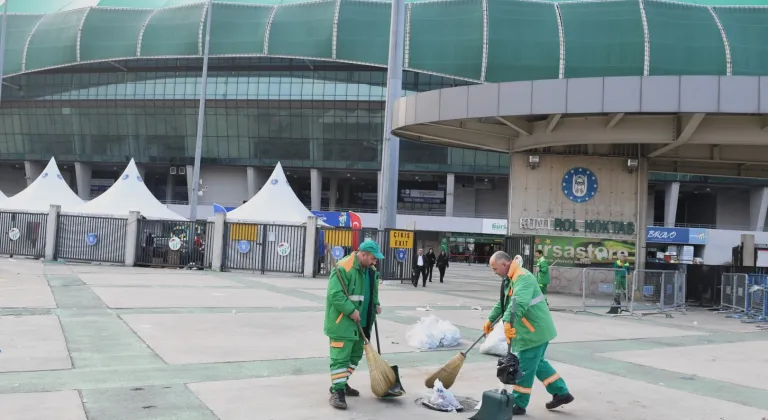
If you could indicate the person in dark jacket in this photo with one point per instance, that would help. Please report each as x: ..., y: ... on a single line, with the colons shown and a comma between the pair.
x: 419, y: 265
x: 431, y: 259
x: 442, y: 264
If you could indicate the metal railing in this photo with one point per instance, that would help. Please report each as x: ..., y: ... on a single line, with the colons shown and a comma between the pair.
x: 23, y: 234
x: 605, y: 287
x: 89, y: 238
x: 172, y: 243
x: 264, y: 248
x: 657, y: 292
x: 733, y: 293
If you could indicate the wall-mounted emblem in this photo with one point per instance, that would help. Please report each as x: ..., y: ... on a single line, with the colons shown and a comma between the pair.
x: 579, y: 184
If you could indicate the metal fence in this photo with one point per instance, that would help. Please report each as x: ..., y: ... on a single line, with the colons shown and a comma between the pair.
x: 657, y: 292
x: 521, y: 245
x: 88, y: 238
x: 262, y: 248
x: 23, y: 234
x: 733, y: 292
x: 605, y: 288
x: 172, y: 243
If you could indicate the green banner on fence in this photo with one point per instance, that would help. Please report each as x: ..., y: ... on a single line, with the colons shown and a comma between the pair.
x: 568, y: 251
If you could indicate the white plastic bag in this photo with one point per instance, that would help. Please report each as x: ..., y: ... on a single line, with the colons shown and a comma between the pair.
x: 442, y: 399
x: 430, y: 332
x: 496, y: 342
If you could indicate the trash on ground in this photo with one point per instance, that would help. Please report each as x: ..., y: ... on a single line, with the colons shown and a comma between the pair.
x: 430, y: 332
x: 440, y: 399
x: 496, y: 342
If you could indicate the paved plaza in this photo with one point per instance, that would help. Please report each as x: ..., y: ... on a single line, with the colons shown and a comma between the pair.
x: 113, y: 343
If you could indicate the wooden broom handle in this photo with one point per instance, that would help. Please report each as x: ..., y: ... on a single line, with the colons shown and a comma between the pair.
x: 344, y: 288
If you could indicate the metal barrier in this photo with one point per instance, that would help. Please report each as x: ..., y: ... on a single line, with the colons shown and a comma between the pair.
x: 88, y: 238
x: 172, y: 243
x: 263, y: 248
x: 23, y: 234
x: 757, y: 298
x: 731, y: 286
x: 565, y: 289
x: 657, y: 292
x: 604, y: 288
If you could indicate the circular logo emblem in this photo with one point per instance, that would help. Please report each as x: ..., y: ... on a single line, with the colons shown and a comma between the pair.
x: 59, y: 176
x: 400, y: 254
x: 174, y: 243
x: 243, y: 247
x: 579, y: 185
x: 283, y: 249
x: 124, y: 177
x: 337, y: 252
x: 14, y: 234
x: 273, y: 181
x: 91, y: 239
x: 138, y: 178
x: 45, y: 175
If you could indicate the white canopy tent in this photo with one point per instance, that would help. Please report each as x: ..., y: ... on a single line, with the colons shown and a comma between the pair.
x: 275, y: 203
x: 49, y: 188
x: 127, y: 194
x: 3, y: 198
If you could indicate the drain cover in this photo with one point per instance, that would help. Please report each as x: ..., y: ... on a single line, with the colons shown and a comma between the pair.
x: 468, y: 404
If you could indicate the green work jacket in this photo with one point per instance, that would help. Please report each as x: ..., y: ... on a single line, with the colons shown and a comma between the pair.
x: 533, y: 320
x: 543, y: 273
x: 338, y: 324
x: 622, y: 270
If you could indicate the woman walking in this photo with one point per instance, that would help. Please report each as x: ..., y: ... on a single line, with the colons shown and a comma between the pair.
x: 431, y: 262
x: 442, y: 264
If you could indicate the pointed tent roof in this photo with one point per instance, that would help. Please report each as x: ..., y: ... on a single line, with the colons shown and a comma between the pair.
x: 275, y: 203
x: 127, y: 194
x: 3, y: 197
x: 49, y: 188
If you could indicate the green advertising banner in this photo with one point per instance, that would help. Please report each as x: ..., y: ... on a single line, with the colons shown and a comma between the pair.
x: 566, y: 251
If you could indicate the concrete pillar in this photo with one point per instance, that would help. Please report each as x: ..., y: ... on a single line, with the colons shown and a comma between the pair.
x: 316, y: 188
x: 310, y: 260
x: 51, y: 226
x: 450, y: 184
x: 83, y: 179
x: 219, y: 220
x: 510, y: 194
x: 333, y: 193
x: 758, y: 206
x: 346, y: 193
x: 170, y: 184
x: 379, y: 191
x: 670, y: 203
x: 642, y: 212
x: 748, y: 250
x: 256, y: 179
x: 32, y: 170
x: 131, y: 236
x: 190, y: 174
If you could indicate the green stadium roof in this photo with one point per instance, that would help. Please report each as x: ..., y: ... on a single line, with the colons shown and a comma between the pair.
x: 478, y: 40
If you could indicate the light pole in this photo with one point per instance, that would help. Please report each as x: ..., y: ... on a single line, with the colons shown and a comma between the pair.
x: 200, y: 119
x: 390, y: 155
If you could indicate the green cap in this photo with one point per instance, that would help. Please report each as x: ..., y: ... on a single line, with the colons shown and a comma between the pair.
x: 371, y: 246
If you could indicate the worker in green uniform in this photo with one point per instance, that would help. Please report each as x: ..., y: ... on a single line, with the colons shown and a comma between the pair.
x: 344, y: 311
x: 532, y: 331
x: 620, y: 276
x: 543, y: 274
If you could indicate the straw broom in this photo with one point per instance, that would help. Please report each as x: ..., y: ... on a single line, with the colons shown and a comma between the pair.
x: 381, y: 374
x: 448, y: 373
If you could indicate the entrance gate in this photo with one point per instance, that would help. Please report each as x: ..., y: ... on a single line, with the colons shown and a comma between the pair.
x: 172, y: 243
x: 521, y: 245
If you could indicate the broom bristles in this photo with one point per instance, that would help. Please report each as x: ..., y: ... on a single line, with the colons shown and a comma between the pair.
x: 382, y: 375
x: 448, y: 373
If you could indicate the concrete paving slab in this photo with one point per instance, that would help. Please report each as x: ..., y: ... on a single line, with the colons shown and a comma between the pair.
x: 293, y: 283
x: 145, y: 403
x: 570, y: 327
x: 145, y: 297
x: 699, y: 318
x: 191, y: 279
x: 414, y: 298
x: 60, y: 405
x: 25, y: 292
x: 208, y: 338
x: 598, y: 397
x: 734, y: 363
x: 22, y: 265
x: 32, y: 343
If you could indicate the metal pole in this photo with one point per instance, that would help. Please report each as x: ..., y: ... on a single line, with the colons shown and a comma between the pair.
x: 200, y: 118
x: 390, y: 154
x: 2, y: 44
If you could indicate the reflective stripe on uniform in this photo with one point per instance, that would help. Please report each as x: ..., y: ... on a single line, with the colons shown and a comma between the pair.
x: 336, y: 381
x: 537, y: 299
x: 522, y: 390
x: 334, y: 372
x: 356, y: 298
x: 551, y: 379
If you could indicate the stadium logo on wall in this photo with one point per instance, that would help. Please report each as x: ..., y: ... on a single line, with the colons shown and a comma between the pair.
x: 59, y: 176
x: 45, y: 175
x: 125, y: 177
x: 283, y: 249
x: 579, y: 185
x: 274, y: 181
x: 243, y: 247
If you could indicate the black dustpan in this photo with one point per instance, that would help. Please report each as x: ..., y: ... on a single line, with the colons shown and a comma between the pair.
x: 397, y: 389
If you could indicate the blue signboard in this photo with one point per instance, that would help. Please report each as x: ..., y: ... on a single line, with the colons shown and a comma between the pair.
x: 334, y: 218
x: 673, y: 235
x: 217, y: 208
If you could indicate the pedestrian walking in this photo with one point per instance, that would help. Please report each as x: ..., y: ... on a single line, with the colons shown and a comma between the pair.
x: 442, y: 264
x: 431, y: 259
x: 419, y: 268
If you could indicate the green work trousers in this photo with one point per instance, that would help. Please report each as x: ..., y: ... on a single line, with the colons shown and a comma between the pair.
x: 543, y: 288
x: 533, y: 365
x: 345, y: 355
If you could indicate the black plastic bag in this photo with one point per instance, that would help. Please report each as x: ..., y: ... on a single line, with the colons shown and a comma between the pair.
x: 508, y: 369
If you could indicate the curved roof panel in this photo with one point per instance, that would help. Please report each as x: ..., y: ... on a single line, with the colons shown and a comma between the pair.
x: 477, y: 40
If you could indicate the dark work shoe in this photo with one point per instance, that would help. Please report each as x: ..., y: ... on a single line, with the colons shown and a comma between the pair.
x: 518, y: 411
x: 338, y: 400
x: 558, y: 400
x: 352, y: 392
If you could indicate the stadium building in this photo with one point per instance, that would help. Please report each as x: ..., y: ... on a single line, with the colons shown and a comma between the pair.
x: 661, y: 101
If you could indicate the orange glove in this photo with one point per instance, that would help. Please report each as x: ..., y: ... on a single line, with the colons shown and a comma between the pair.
x: 510, y: 332
x: 487, y: 328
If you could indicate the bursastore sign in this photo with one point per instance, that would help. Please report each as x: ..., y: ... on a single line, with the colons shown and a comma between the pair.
x: 495, y: 226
